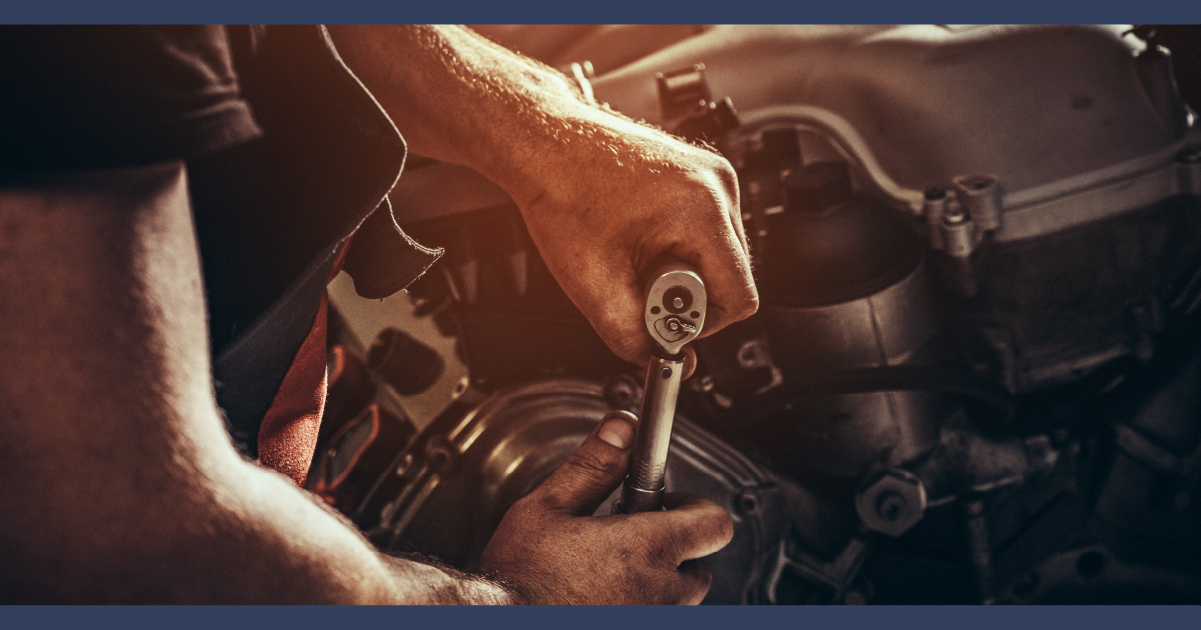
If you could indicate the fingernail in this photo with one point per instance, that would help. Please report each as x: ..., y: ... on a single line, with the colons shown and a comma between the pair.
x: 617, y: 432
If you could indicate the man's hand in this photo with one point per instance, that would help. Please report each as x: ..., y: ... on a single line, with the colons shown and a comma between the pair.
x: 613, y: 209
x: 605, y: 198
x: 551, y: 550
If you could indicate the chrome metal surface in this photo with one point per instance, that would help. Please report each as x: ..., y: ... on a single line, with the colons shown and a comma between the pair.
x: 643, y: 488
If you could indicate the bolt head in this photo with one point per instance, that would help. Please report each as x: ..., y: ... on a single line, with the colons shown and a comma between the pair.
x: 892, y: 502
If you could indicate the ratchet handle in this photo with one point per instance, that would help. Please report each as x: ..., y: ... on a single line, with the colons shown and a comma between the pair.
x: 674, y: 314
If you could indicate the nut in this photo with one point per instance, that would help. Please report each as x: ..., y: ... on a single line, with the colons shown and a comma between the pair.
x: 892, y: 502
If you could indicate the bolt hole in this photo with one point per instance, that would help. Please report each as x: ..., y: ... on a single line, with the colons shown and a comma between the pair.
x: 1090, y: 564
x: 694, y: 314
x: 655, y: 310
x: 747, y: 503
x: 891, y: 507
x: 439, y: 460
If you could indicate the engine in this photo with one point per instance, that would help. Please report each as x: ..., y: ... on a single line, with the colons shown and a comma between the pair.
x: 975, y: 374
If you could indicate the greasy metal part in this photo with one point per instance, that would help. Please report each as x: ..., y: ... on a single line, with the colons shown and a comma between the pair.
x: 982, y: 198
x: 675, y: 312
x: 892, y: 503
x: 681, y: 91
x: 836, y: 576
x: 959, y: 236
x: 934, y: 209
x: 643, y: 489
x: 958, y: 233
x: 847, y: 434
x: 507, y: 444
x: 980, y: 549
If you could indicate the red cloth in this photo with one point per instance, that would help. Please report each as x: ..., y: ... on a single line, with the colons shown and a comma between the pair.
x: 288, y: 434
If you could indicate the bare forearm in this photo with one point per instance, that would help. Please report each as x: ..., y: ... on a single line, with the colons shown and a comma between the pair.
x: 460, y: 98
x: 603, y: 197
x: 285, y: 547
x: 119, y: 482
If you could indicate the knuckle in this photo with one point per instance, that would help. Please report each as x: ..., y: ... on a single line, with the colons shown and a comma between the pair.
x: 750, y: 304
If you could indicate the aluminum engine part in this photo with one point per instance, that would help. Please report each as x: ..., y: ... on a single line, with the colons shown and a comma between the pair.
x: 844, y: 287
x: 1038, y: 131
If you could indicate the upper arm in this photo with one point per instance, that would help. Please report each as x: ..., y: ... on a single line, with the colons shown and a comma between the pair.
x: 105, y: 395
x: 118, y: 482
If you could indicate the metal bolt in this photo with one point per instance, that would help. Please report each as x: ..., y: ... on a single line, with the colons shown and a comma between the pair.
x: 666, y: 372
x: 441, y: 454
x: 619, y: 391
x: 677, y: 303
x: 891, y: 504
x: 406, y: 462
x: 673, y: 325
x: 747, y: 503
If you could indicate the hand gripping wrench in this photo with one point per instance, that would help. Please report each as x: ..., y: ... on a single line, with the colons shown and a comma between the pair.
x: 674, y: 314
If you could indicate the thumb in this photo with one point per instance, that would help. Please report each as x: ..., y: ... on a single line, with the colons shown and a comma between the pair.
x: 594, y: 470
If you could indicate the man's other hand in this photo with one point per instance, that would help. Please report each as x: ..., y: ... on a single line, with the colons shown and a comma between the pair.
x: 551, y: 550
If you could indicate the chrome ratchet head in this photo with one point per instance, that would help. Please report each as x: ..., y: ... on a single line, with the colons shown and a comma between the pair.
x: 675, y: 306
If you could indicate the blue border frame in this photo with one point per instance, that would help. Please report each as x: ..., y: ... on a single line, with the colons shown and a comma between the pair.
x: 625, y: 11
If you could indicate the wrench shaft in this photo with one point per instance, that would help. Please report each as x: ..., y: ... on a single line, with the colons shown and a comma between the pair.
x: 644, y: 487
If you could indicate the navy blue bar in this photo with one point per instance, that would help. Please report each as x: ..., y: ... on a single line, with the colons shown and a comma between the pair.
x: 607, y: 11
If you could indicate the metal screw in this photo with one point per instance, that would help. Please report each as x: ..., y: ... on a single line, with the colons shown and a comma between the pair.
x: 666, y: 372
x: 677, y: 303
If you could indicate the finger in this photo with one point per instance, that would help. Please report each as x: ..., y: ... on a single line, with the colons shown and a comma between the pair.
x: 689, y: 362
x: 695, y: 579
x: 694, y: 527
x: 594, y: 470
x: 726, y: 269
x: 614, y: 305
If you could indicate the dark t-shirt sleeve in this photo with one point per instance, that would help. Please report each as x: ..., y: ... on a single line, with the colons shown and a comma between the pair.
x: 87, y: 97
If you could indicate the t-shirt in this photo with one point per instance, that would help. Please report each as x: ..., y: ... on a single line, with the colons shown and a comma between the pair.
x: 287, y: 156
